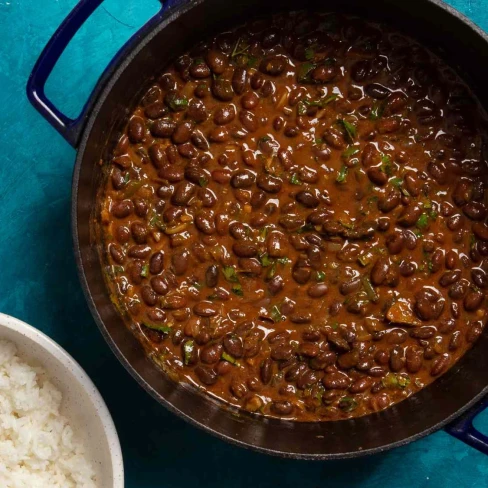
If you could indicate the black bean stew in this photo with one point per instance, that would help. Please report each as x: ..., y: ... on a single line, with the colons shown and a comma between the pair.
x: 295, y: 218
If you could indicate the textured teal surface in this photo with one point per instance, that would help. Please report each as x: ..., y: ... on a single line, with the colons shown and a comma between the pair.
x: 38, y: 281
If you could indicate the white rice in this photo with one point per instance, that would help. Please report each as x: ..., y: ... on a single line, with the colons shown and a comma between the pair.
x: 37, y: 446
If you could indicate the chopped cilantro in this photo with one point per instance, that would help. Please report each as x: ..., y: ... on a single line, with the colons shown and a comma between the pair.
x: 203, y: 182
x: 230, y: 274
x: 320, y: 276
x: 276, y: 314
x: 347, y: 404
x: 349, y: 129
x: 165, y: 329
x: 188, y: 348
x: 392, y: 380
x: 237, y: 290
x: 303, y: 74
x: 423, y: 221
x: 145, y: 271
x: 386, y: 165
x: 175, y: 102
x: 377, y: 110
x: 230, y: 359
x: 265, y: 261
x: 309, y: 53
x: 342, y: 175
x: 262, y: 234
x: 295, y: 180
x: 350, y: 152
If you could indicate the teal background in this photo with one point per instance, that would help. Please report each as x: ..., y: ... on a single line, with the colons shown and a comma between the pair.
x: 39, y: 284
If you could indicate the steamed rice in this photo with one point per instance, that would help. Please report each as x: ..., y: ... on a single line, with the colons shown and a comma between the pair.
x: 37, y: 446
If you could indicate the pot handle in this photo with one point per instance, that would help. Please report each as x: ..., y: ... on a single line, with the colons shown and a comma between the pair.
x: 70, y: 129
x: 463, y: 428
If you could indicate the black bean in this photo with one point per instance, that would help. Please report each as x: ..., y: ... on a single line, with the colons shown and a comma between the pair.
x: 139, y: 251
x: 243, y: 179
x: 269, y: 183
x: 375, y: 90
x: 244, y: 249
x: 282, y: 408
x: 473, y: 300
x: 149, y: 296
x: 222, y: 89
x: 317, y: 290
x: 212, y: 276
x: 136, y: 130
x: 233, y: 346
x: 183, y: 193
x: 249, y: 120
x: 163, y: 128
x: 440, y: 364
x: 180, y: 262
x: 395, y: 242
x: 266, y: 371
x: 206, y: 375
x: 117, y: 253
x: 224, y: 115
x: 336, y: 381
x: 122, y: 209
x: 205, y: 222
x: 211, y: 354
x: 217, y: 61
x: 205, y: 309
x: 239, y: 80
x: 275, y: 285
x: 379, y: 271
x: 449, y: 277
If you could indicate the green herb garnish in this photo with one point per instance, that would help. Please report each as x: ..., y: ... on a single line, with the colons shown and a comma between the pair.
x: 276, y: 314
x: 265, y: 261
x: 239, y: 50
x: 175, y: 102
x: 188, y: 348
x: 369, y: 289
x: 321, y: 102
x: 309, y: 53
x: 262, y: 234
x: 203, y: 182
x: 237, y: 290
x: 165, y: 329
x: 304, y: 71
x: 392, y: 380
x: 349, y: 129
x: 342, y: 175
x: 320, y: 276
x: 350, y: 152
x: 295, y: 180
x: 230, y: 359
x: 347, y: 404
x: 145, y: 271
x: 377, y: 110
x: 386, y: 164
x: 305, y: 228
x: 252, y: 61
x: 230, y: 274
x: 422, y: 222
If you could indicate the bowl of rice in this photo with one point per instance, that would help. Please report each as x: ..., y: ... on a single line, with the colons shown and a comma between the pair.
x: 55, y: 429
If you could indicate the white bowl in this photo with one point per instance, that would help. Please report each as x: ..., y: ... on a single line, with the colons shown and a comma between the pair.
x: 82, y: 403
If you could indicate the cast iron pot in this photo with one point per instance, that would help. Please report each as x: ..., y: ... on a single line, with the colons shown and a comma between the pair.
x: 452, y: 401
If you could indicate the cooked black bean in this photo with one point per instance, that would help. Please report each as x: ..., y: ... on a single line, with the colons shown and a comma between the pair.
x: 301, y: 212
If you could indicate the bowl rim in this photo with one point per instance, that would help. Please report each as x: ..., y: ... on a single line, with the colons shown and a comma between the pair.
x: 74, y: 369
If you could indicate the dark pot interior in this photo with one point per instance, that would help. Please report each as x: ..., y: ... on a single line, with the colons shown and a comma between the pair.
x: 455, y: 40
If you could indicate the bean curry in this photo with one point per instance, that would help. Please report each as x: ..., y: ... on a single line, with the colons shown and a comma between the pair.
x: 294, y: 218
